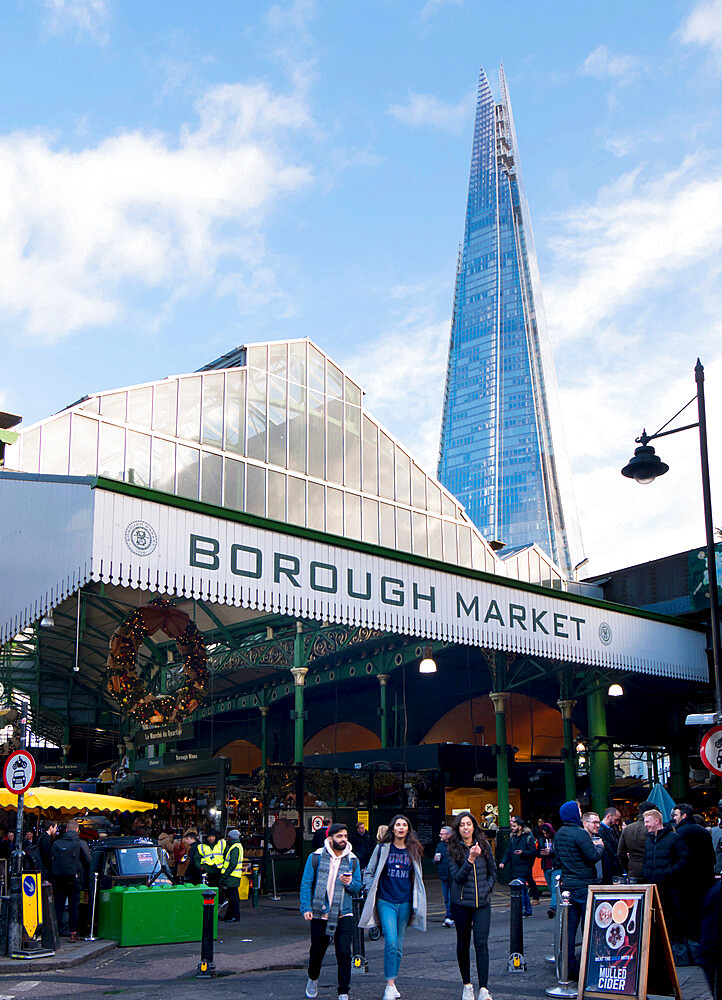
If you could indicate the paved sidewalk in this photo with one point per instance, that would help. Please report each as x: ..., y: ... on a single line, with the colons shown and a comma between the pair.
x: 264, y: 956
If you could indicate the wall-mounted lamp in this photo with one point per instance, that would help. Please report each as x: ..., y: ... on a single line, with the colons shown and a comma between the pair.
x: 615, y: 691
x: 428, y: 663
x: 47, y: 621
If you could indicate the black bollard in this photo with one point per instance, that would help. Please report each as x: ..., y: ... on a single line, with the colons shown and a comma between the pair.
x: 516, y: 929
x: 206, y: 966
x: 359, y: 961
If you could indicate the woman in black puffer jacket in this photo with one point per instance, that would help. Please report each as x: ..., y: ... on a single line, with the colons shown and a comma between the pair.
x: 472, y: 874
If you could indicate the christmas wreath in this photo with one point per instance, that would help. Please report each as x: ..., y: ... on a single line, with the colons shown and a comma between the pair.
x: 129, y: 689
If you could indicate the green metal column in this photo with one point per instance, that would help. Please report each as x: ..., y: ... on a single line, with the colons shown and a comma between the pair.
x: 499, y: 699
x: 299, y: 677
x: 264, y: 735
x: 599, y: 750
x: 678, y: 764
x: 566, y: 707
x: 383, y: 680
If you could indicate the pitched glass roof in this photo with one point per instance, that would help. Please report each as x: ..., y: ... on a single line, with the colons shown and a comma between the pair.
x: 275, y: 429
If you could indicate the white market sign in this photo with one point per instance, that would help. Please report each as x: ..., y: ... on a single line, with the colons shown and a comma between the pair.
x: 58, y: 535
x: 141, y: 544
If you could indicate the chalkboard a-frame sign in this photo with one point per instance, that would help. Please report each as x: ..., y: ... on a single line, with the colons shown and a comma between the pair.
x: 625, y: 948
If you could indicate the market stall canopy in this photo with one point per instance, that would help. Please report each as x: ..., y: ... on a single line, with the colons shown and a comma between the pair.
x: 41, y: 799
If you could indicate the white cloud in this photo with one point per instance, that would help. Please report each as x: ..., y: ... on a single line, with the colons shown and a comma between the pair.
x: 602, y: 64
x: 81, y: 229
x: 431, y: 7
x: 703, y: 26
x: 403, y: 373
x: 636, y: 237
x: 85, y: 17
x: 426, y: 110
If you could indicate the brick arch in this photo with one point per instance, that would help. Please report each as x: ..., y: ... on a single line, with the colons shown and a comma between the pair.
x: 524, y: 717
x: 244, y: 756
x: 341, y: 736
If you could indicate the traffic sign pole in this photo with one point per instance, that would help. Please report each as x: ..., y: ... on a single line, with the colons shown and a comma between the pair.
x: 15, y: 924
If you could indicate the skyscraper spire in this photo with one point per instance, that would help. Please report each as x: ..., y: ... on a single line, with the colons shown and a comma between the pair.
x: 501, y: 449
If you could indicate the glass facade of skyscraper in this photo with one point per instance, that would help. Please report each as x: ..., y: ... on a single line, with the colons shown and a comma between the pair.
x: 498, y: 455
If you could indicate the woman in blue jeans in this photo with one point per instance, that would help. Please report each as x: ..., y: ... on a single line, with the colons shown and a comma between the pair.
x: 395, y: 894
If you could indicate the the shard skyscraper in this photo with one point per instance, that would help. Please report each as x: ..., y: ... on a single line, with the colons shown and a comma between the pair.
x: 501, y: 452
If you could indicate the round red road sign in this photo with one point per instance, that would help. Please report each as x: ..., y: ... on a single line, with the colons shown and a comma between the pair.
x: 19, y: 772
x: 710, y: 750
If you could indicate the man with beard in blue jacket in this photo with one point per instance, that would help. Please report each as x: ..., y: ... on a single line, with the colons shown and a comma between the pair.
x: 576, y: 854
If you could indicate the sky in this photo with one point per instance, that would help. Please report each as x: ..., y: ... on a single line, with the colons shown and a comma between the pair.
x: 179, y: 178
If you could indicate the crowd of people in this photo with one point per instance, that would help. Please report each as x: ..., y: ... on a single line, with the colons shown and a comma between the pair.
x: 681, y: 857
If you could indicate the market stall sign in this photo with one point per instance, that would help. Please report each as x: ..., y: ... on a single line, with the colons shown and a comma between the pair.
x: 711, y: 750
x: 19, y: 772
x: 625, y: 948
x: 163, y: 734
x: 185, y: 756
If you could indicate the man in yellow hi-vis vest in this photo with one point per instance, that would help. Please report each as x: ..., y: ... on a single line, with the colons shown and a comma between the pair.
x: 211, y: 853
x: 231, y: 875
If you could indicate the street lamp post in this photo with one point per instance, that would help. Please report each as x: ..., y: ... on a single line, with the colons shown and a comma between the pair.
x: 645, y: 466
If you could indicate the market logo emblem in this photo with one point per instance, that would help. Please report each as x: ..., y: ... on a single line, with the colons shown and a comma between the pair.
x: 140, y: 537
x: 605, y: 633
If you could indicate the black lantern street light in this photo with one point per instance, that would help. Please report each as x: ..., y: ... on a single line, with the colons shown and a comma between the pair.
x: 645, y: 466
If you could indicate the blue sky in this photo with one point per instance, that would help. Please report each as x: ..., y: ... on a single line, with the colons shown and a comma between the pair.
x: 178, y: 178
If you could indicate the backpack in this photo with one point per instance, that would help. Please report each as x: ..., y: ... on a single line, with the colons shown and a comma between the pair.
x: 315, y: 859
x: 66, y: 856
